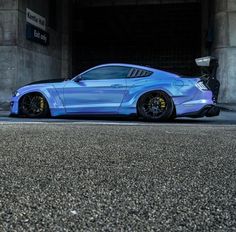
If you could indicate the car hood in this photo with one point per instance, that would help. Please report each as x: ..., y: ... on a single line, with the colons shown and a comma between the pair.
x: 46, y: 81
x: 40, y: 84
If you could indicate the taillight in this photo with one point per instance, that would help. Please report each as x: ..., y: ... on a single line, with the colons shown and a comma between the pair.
x: 200, y: 85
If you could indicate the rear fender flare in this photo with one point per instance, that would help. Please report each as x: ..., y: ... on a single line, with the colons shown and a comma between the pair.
x: 152, y: 91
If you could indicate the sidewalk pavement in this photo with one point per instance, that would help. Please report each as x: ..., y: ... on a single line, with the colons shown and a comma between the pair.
x: 227, y: 107
x: 4, y: 113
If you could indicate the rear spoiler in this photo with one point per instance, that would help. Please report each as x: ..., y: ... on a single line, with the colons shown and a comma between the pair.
x: 208, y: 61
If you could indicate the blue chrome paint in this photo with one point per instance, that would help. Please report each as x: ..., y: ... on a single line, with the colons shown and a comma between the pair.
x: 117, y: 96
x: 94, y: 96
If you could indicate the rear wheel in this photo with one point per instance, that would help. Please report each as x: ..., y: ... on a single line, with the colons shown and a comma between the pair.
x: 34, y: 105
x: 155, y: 106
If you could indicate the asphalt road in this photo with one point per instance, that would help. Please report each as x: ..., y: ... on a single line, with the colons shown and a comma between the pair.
x: 118, y: 175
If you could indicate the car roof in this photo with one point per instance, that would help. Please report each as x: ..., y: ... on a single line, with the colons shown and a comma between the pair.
x: 131, y: 66
x: 126, y: 65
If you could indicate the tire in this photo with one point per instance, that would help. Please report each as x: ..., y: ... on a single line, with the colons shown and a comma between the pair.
x: 34, y: 105
x: 155, y: 106
x: 173, y: 115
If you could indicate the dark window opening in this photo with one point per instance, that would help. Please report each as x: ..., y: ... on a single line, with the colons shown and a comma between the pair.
x: 52, y: 18
x: 166, y: 36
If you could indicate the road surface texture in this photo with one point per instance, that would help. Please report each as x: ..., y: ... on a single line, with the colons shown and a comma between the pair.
x: 111, y: 176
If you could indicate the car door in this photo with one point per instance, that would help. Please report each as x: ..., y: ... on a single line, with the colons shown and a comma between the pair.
x: 97, y: 91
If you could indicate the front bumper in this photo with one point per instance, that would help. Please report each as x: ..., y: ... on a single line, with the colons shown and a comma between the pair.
x: 208, y: 111
x: 14, y: 109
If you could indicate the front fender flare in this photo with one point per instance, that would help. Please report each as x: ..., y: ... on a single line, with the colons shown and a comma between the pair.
x: 55, y: 104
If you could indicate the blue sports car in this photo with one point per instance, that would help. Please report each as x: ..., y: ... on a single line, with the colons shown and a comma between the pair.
x: 117, y: 89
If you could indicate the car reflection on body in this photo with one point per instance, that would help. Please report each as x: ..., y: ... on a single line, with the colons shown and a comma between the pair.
x: 118, y: 89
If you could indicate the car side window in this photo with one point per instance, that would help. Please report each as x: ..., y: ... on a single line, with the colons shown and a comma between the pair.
x: 102, y: 73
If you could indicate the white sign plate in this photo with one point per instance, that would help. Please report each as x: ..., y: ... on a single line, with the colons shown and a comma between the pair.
x: 35, y: 19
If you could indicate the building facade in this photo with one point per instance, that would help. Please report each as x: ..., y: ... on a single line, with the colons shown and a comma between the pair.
x: 22, y: 60
x: 78, y: 34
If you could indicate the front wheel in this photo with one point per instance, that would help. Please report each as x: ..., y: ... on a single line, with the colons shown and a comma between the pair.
x: 34, y: 106
x: 155, y: 106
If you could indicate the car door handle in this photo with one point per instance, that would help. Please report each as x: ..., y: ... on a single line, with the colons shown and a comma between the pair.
x: 117, y: 86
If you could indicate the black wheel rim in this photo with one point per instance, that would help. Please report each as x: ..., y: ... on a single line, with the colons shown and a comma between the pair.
x: 33, y: 105
x: 154, y: 105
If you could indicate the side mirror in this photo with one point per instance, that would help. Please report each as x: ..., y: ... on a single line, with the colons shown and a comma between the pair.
x: 207, y: 61
x: 78, y: 78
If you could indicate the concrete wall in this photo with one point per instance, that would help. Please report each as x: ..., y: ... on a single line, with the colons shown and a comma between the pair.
x: 224, y: 48
x: 8, y: 47
x: 35, y: 61
x: 23, y: 61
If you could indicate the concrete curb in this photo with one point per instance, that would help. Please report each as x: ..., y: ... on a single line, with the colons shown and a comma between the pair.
x: 227, y: 108
x: 4, y: 113
x: 4, y: 106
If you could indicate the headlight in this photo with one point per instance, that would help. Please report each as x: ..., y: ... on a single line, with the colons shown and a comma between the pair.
x: 15, y: 94
x: 201, y: 86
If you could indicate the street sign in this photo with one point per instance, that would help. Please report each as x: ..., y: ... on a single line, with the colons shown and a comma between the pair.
x: 37, y: 35
x: 35, y: 19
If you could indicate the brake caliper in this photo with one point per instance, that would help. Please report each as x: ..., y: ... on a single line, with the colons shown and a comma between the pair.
x: 41, y: 103
x: 162, y: 103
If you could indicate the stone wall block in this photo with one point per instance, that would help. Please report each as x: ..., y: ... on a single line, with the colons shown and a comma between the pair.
x: 220, y: 5
x: 231, y: 71
x: 8, y: 4
x: 221, y: 30
x: 226, y: 74
x: 8, y: 71
x: 33, y: 66
x: 231, y: 5
x: 8, y: 27
x: 232, y: 28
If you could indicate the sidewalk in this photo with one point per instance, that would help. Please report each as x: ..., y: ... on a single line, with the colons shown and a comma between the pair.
x: 227, y: 107
x: 4, y: 109
x: 4, y: 113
